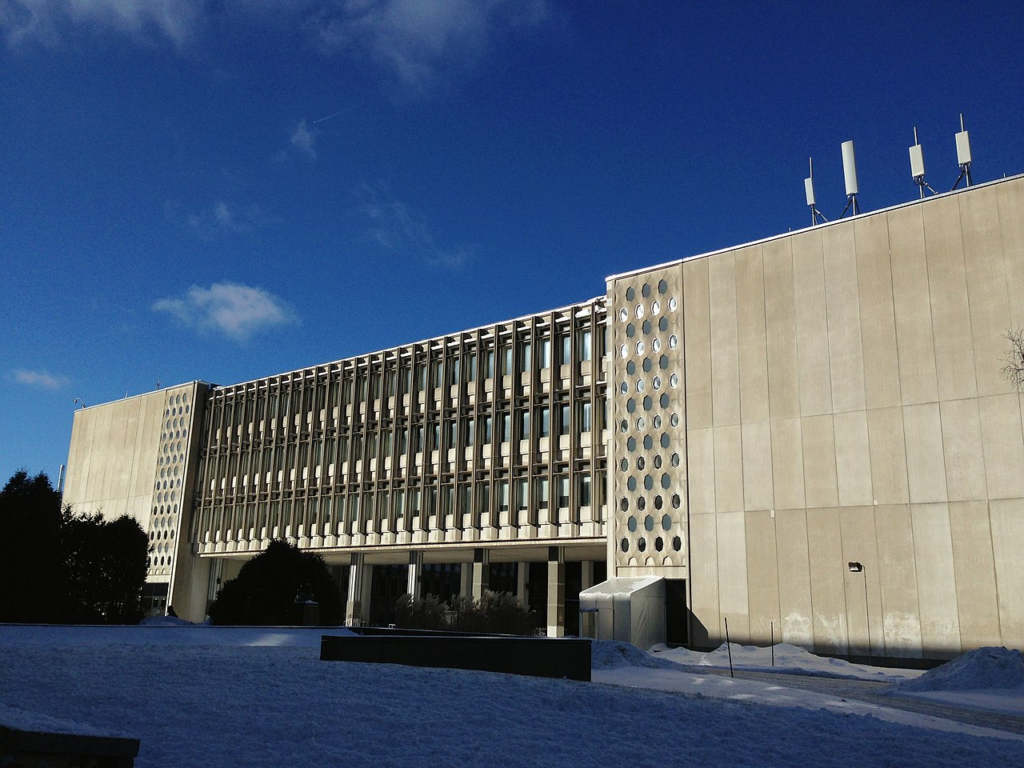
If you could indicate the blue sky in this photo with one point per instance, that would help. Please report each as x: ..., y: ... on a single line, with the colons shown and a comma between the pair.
x: 225, y: 190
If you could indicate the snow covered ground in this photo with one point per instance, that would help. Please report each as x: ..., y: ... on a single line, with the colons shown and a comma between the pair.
x: 261, y: 697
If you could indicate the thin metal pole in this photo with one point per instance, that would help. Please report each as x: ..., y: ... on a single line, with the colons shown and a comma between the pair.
x: 773, y: 643
x: 867, y: 610
x: 728, y: 647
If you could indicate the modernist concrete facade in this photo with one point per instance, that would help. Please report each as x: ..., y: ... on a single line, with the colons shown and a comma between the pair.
x: 807, y: 436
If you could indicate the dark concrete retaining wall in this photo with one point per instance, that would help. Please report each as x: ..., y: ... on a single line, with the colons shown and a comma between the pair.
x: 535, y: 656
x: 63, y: 750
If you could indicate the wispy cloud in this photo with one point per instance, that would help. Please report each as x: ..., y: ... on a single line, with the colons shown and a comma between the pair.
x: 50, y: 21
x: 404, y: 231
x: 303, y: 139
x: 39, y: 379
x: 417, y: 40
x: 231, y: 309
x: 222, y: 217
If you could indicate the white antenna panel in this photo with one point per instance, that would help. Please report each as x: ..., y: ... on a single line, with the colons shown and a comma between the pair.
x: 963, y: 148
x: 850, y: 168
x: 809, y: 190
x: 917, y: 161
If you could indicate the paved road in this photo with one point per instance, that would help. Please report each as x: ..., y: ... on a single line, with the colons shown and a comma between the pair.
x: 874, y: 693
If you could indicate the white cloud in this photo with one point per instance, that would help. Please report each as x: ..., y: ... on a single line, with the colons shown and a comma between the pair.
x: 404, y: 231
x: 49, y: 21
x: 416, y: 39
x: 234, y: 310
x: 39, y: 379
x: 222, y: 217
x: 303, y: 139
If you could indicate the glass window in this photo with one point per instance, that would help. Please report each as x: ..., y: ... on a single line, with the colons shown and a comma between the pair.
x: 453, y: 372
x: 506, y: 427
x: 524, y: 425
x: 524, y: 357
x: 506, y: 360
x: 522, y: 494
x: 489, y: 364
x: 562, y: 486
x: 545, y: 353
x: 503, y: 495
x: 566, y: 350
x: 485, y: 428
x: 542, y: 492
x: 469, y: 432
x: 585, y: 346
x: 563, y: 419
x: 471, y: 368
x: 544, y: 419
x: 584, y: 490
x: 585, y: 417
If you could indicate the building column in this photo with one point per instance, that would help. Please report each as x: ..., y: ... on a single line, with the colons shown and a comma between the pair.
x: 522, y: 580
x: 414, y: 588
x: 465, y: 580
x: 587, y: 620
x: 481, y: 572
x: 556, y: 592
x: 359, y: 582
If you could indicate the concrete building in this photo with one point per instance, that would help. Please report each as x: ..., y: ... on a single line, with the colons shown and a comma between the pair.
x: 807, y: 437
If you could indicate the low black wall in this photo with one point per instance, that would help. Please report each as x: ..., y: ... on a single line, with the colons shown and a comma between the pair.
x: 535, y: 656
x: 62, y: 750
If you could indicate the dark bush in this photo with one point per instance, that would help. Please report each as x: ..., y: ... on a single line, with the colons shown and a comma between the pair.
x: 271, y: 587
x: 496, y: 612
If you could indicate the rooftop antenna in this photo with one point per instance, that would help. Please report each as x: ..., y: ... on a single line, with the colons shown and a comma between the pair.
x: 963, y: 154
x: 80, y: 402
x: 809, y: 192
x: 917, y: 165
x: 850, y: 175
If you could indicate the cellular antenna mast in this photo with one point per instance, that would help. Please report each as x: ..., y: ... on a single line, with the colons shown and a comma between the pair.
x: 850, y: 175
x: 963, y: 154
x: 917, y: 165
x: 809, y: 192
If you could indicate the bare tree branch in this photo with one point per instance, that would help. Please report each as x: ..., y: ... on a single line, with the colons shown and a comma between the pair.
x: 1013, y: 371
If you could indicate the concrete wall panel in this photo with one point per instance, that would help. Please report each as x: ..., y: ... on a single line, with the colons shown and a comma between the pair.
x: 820, y: 484
x: 901, y: 615
x: 704, y: 580
x: 947, y: 284
x: 925, y: 468
x: 732, y: 575
x: 762, y: 577
x: 758, y: 490
x: 1007, y: 520
x: 795, y: 603
x: 780, y: 320
x: 986, y: 287
x: 877, y: 314
x: 787, y: 464
x: 753, y: 351
x: 914, y: 341
x: 846, y: 359
x: 828, y: 589
x: 725, y: 377
x: 697, y: 335
x: 853, y: 459
x: 700, y: 469
x: 962, y: 450
x: 888, y: 456
x: 728, y: 470
x: 1004, y: 447
x: 936, y: 582
x: 811, y: 324
x: 975, y: 573
x: 863, y: 593
x: 1010, y: 204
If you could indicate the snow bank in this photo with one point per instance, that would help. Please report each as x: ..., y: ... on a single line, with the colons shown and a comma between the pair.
x: 614, y: 654
x: 788, y: 658
x: 981, y: 669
